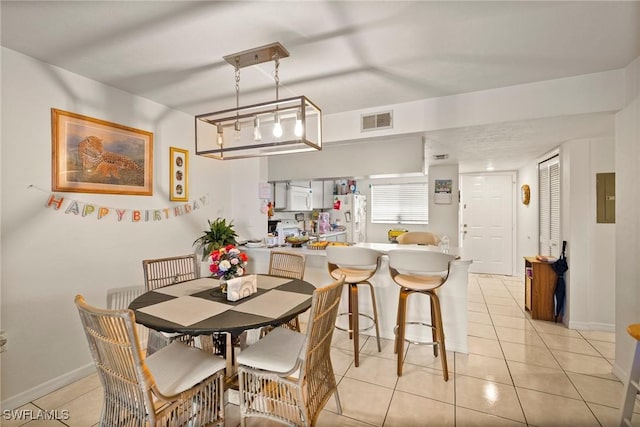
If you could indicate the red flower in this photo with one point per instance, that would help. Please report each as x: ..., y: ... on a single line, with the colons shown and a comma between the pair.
x: 243, y: 257
x: 213, y: 268
x: 229, y: 247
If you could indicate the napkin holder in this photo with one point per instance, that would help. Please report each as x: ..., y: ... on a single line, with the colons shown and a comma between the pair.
x: 242, y: 287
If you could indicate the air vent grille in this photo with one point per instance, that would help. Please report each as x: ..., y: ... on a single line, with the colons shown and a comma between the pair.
x: 440, y: 156
x: 383, y: 120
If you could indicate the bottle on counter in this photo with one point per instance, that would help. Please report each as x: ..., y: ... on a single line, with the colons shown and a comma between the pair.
x: 444, y: 244
x: 280, y: 234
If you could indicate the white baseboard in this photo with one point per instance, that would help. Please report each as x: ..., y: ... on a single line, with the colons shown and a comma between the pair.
x: 620, y: 373
x: 45, y: 388
x: 592, y: 326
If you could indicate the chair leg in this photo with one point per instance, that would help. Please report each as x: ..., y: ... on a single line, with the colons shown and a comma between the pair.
x: 338, y: 405
x: 440, y: 334
x: 355, y: 321
x: 402, y: 317
x: 630, y: 390
x: 434, y: 332
x: 375, y: 313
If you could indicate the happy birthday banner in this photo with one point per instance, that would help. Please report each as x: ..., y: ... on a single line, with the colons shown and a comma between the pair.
x: 87, y: 209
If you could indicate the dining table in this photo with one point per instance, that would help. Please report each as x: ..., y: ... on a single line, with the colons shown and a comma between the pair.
x: 200, y: 308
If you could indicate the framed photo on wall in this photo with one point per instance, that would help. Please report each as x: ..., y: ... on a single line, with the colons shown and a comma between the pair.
x: 95, y: 156
x: 178, y: 174
x: 443, y: 189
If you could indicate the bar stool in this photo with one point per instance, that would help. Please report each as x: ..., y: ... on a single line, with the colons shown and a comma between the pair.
x: 418, y: 237
x: 631, y: 386
x: 420, y: 271
x: 358, y: 265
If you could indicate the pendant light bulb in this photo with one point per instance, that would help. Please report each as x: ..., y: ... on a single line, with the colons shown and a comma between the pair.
x: 297, y: 130
x: 257, y: 135
x: 277, y: 127
x: 236, y: 127
x: 220, y: 135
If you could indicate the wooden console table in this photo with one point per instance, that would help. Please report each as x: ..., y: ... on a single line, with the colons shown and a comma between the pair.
x: 539, y: 286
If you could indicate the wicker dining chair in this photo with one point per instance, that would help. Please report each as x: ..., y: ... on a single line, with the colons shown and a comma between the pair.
x: 176, y: 386
x: 418, y: 237
x: 288, y: 376
x: 120, y: 298
x: 289, y: 265
x: 162, y: 272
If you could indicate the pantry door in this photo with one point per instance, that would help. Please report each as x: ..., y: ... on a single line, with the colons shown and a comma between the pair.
x: 487, y: 213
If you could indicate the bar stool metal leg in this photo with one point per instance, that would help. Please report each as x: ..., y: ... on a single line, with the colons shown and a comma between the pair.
x: 375, y: 313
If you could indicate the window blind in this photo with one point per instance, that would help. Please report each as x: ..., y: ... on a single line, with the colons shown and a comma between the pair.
x: 549, y: 206
x: 400, y: 203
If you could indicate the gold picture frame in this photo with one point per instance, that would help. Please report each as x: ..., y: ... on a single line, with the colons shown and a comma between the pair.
x: 178, y: 174
x: 95, y: 156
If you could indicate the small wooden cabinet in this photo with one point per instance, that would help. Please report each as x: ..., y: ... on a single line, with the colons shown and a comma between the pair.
x: 539, y: 286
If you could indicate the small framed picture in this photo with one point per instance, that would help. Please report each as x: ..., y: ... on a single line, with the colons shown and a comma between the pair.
x: 178, y: 174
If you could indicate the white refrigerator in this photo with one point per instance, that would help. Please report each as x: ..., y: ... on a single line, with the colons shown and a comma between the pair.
x: 350, y: 211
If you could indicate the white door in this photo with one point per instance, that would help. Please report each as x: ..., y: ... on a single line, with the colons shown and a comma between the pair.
x: 487, y: 222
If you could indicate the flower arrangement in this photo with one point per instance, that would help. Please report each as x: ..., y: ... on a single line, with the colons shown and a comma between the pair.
x: 228, y: 262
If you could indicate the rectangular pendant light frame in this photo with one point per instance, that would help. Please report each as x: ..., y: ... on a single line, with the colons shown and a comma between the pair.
x: 242, y: 144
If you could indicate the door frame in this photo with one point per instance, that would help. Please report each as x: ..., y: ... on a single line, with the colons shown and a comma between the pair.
x: 514, y: 176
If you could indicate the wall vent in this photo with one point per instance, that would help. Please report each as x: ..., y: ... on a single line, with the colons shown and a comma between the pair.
x: 376, y: 121
x: 440, y: 156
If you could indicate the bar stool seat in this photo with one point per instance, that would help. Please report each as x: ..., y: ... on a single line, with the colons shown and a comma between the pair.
x: 420, y: 272
x: 357, y: 265
x: 631, y: 386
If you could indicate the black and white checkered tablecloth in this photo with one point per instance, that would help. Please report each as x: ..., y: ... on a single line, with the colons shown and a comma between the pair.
x: 199, y: 307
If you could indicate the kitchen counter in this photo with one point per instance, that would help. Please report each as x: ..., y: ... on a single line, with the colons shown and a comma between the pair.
x: 334, y: 236
x: 453, y: 295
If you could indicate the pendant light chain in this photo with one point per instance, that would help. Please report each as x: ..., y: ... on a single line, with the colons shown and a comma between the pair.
x: 277, y: 76
x: 237, y: 77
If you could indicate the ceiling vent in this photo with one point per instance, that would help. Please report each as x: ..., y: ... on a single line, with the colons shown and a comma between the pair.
x: 376, y: 121
x: 440, y: 156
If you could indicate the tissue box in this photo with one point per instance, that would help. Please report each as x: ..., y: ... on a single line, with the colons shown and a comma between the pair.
x: 242, y: 287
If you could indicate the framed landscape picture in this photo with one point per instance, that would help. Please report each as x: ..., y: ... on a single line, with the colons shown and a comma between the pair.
x: 178, y: 174
x: 96, y: 156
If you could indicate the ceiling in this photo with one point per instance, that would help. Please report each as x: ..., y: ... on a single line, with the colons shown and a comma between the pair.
x: 171, y: 52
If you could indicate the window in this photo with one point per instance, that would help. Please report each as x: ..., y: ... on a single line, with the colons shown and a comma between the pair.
x: 549, y: 215
x: 400, y: 203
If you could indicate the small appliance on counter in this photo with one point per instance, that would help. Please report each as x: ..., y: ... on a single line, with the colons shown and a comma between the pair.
x: 286, y: 228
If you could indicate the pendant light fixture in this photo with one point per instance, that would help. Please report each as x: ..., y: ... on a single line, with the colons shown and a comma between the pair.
x: 280, y: 126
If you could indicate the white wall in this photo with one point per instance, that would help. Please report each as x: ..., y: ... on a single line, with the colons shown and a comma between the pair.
x: 587, y: 93
x: 443, y: 218
x: 627, y: 159
x: 48, y: 256
x: 590, y: 250
x: 527, y: 235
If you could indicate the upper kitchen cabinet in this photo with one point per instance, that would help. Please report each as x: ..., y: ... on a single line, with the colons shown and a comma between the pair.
x: 280, y: 196
x: 322, y: 194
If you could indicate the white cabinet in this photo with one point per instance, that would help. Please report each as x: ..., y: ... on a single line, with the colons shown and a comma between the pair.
x: 327, y: 199
x: 322, y: 194
x: 305, y: 184
x: 280, y: 196
x: 318, y: 192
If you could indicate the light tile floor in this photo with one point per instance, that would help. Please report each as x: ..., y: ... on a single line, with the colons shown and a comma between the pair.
x: 518, y: 372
